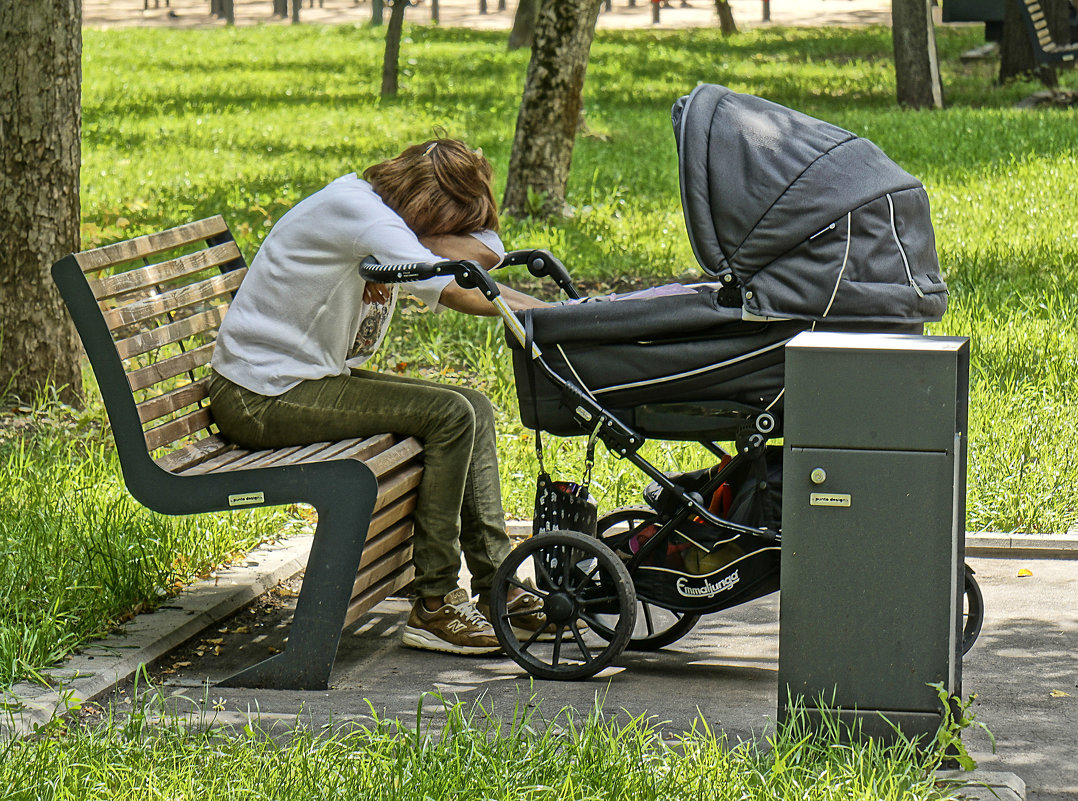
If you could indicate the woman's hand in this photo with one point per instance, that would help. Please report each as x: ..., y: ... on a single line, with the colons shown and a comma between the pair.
x: 376, y: 293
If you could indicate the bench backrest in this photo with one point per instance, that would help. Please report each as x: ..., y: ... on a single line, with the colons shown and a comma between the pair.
x: 1044, y: 46
x: 163, y: 297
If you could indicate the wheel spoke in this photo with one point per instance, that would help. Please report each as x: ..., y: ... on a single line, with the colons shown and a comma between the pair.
x: 648, y: 622
x: 524, y: 646
x: 579, y: 639
x: 603, y: 599
x: 592, y: 621
x: 567, y: 563
x: 515, y: 582
x: 586, y: 578
x: 541, y: 568
x: 555, y: 659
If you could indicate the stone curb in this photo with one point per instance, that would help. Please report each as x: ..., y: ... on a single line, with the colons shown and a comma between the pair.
x: 1047, y: 546
x: 984, y: 785
x: 104, y: 664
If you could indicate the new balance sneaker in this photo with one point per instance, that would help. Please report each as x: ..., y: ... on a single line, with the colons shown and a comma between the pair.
x: 525, y: 617
x: 455, y: 628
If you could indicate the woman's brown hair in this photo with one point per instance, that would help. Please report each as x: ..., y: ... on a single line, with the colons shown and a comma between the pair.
x: 438, y: 187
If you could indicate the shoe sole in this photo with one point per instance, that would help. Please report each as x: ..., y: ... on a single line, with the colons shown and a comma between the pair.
x: 426, y: 641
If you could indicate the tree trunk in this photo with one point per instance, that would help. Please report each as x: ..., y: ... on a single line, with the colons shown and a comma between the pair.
x: 40, y: 126
x: 1015, y: 50
x: 726, y: 17
x: 523, y: 33
x: 391, y: 63
x: 917, y: 72
x: 550, y: 108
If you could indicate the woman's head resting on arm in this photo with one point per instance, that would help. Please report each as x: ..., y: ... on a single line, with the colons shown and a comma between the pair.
x: 438, y: 187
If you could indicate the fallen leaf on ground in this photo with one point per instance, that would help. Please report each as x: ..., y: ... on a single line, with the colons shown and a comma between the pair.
x: 1024, y: 573
x: 1059, y: 694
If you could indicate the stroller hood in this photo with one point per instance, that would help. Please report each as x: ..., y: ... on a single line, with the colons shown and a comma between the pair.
x: 814, y: 222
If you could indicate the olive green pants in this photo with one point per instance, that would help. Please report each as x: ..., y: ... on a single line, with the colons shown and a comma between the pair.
x: 459, y: 506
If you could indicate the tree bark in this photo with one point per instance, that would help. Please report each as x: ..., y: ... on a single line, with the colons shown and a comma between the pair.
x: 550, y: 108
x: 391, y: 62
x: 917, y: 73
x: 1015, y: 50
x: 726, y: 17
x: 40, y: 127
x: 523, y: 33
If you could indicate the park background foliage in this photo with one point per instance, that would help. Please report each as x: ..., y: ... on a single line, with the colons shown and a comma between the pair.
x: 244, y: 122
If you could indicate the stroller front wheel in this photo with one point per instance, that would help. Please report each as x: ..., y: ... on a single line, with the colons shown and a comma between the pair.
x: 577, y: 578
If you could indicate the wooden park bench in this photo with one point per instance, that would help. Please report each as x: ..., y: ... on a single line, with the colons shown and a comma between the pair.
x: 1045, y: 49
x: 148, y: 310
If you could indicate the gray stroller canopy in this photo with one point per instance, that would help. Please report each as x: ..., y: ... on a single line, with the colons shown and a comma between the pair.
x: 814, y: 222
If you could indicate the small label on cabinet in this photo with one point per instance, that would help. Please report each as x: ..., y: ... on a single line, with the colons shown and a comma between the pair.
x: 829, y: 499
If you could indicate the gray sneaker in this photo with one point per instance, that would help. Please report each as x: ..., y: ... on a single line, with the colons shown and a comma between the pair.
x: 455, y: 628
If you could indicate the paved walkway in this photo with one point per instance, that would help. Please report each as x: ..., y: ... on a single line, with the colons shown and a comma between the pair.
x: 1022, y: 669
x: 465, y: 13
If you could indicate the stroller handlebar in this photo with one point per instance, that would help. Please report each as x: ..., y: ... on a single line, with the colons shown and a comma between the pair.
x: 468, y: 274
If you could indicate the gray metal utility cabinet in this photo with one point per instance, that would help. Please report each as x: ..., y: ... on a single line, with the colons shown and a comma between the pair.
x: 873, y: 522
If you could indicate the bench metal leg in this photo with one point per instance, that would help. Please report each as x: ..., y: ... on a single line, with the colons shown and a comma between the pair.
x: 305, y: 664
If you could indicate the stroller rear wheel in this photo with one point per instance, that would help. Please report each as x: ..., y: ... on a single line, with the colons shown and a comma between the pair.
x: 972, y: 611
x: 656, y: 627
x: 578, y: 579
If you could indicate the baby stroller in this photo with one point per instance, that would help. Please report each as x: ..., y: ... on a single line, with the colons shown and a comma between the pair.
x: 800, y: 225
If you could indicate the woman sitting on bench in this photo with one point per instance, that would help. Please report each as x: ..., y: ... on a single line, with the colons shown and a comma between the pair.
x: 287, y: 363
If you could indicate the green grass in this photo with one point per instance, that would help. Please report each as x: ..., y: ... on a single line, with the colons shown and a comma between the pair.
x: 245, y: 122
x: 472, y: 756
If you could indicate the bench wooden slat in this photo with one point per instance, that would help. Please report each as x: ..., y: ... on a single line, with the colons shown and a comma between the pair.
x: 362, y: 449
x: 184, y: 458
x: 398, y: 484
x: 173, y: 401
x: 315, y: 452
x: 402, y: 452
x: 180, y: 298
x: 379, y: 569
x: 148, y: 245
x: 263, y: 459
x: 246, y: 460
x: 379, y: 545
x: 153, y: 274
x: 279, y: 457
x: 173, y: 332
x: 177, y: 429
x: 216, y: 462
x: 393, y: 513
x: 143, y: 377
x: 364, y: 600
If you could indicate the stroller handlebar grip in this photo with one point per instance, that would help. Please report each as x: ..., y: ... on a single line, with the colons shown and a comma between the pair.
x: 371, y: 270
x: 468, y: 274
x: 543, y: 264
